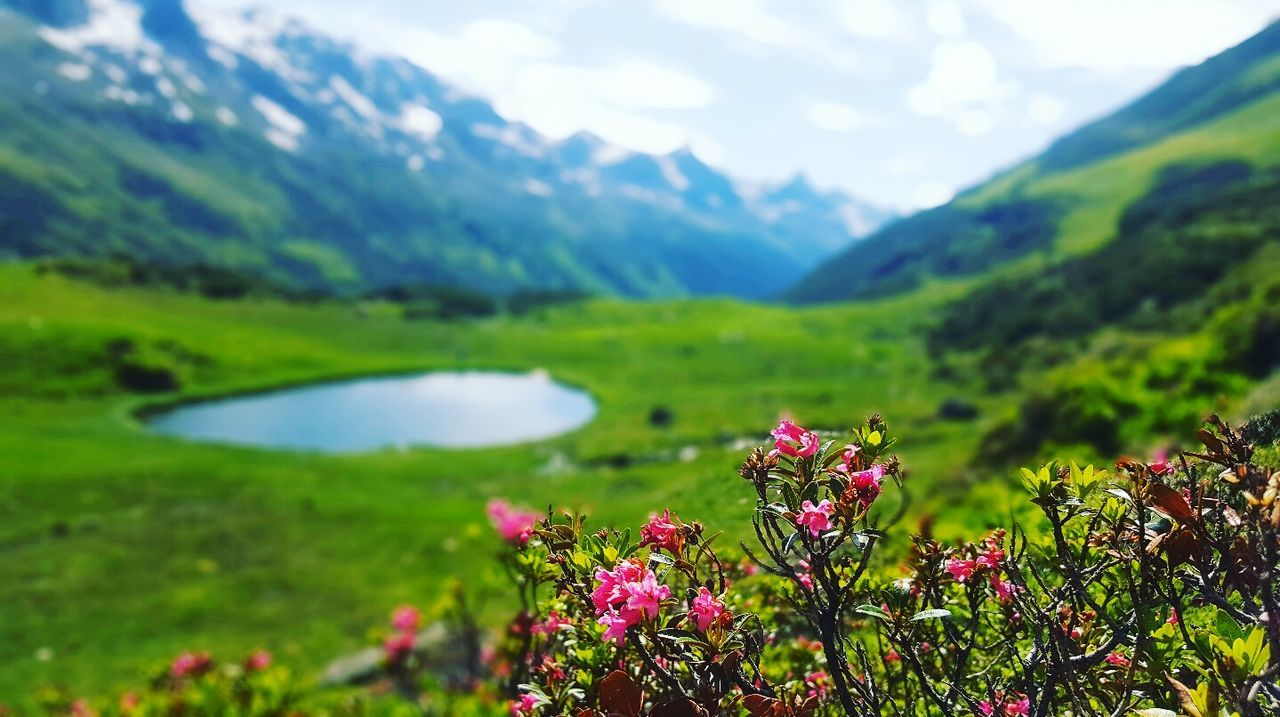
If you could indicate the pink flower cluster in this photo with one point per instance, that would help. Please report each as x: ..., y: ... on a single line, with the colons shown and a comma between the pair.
x: 805, y: 574
x: 515, y: 525
x: 706, y: 610
x: 405, y: 621
x: 1118, y: 659
x: 988, y: 560
x: 661, y: 532
x: 817, y: 518
x: 258, y: 661
x: 550, y: 626
x: 627, y: 595
x: 794, y: 441
x: 1012, y: 706
x: 190, y: 664
x: 864, y: 486
x: 524, y: 705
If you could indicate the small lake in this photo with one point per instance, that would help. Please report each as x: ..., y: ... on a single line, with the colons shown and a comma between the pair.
x: 453, y: 410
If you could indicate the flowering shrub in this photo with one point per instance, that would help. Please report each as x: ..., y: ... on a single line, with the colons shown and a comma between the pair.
x: 1149, y: 590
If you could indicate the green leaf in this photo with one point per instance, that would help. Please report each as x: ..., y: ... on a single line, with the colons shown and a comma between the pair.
x: 874, y: 611
x: 931, y: 614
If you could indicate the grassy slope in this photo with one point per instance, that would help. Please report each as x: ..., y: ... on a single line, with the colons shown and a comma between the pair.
x: 120, y: 548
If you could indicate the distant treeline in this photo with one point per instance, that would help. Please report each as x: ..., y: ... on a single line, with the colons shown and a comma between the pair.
x: 419, y: 301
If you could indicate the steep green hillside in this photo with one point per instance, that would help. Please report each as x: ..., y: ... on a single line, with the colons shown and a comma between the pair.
x: 1072, y: 199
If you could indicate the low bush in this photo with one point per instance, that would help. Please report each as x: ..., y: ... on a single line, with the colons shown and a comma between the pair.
x: 1147, y: 591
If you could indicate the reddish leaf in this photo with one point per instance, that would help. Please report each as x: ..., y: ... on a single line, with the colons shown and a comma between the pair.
x: 620, y: 695
x: 678, y: 708
x: 760, y: 706
x: 1180, y: 546
x: 1170, y: 502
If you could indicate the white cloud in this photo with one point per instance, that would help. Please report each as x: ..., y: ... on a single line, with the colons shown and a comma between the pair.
x: 509, y: 38
x: 872, y: 19
x: 963, y: 72
x: 931, y: 194
x: 945, y: 18
x: 835, y: 116
x: 975, y: 123
x: 1133, y: 34
x: 964, y: 87
x: 638, y: 84
x: 901, y: 166
x: 746, y: 18
x: 1044, y: 108
x: 558, y: 100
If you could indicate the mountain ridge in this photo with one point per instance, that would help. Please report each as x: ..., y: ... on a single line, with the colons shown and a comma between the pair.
x: 434, y: 186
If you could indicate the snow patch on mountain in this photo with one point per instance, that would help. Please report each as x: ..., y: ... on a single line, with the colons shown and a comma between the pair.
x: 286, y: 129
x: 362, y: 105
x: 112, y: 23
x: 672, y: 173
x: 421, y: 122
x: 74, y: 71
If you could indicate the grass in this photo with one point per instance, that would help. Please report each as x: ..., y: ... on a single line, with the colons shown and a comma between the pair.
x: 121, y: 547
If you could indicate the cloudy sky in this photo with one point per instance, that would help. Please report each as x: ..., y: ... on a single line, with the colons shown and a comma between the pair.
x: 898, y: 101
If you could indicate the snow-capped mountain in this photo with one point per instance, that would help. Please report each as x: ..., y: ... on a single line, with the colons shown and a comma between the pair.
x: 244, y: 138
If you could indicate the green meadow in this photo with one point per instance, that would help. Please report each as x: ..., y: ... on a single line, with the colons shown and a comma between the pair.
x: 122, y: 547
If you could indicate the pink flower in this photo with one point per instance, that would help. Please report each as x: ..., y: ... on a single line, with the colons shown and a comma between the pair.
x: 660, y: 532
x: 706, y: 609
x: 524, y: 705
x: 991, y: 557
x: 865, y: 485
x: 1160, y: 464
x: 258, y: 661
x: 190, y: 664
x: 1004, y: 590
x: 406, y: 618
x: 551, y: 625
x: 613, y: 584
x: 816, y: 517
x: 398, y: 646
x: 513, y: 524
x: 645, y: 597
x: 795, y: 441
x: 805, y: 575
x: 961, y: 570
x: 892, y: 656
x: 1173, y: 618
x: 818, y: 683
x: 1015, y: 708
x: 615, y: 627
x: 1118, y: 659
x: 81, y: 708
x: 129, y: 702
x: 986, y: 708
x: 627, y: 595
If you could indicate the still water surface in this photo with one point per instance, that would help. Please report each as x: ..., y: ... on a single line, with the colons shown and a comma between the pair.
x: 436, y: 409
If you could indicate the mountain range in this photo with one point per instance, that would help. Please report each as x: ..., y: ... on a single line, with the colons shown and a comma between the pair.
x: 179, y: 134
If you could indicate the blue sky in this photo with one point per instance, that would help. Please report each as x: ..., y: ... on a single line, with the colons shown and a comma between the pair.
x: 901, y: 103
